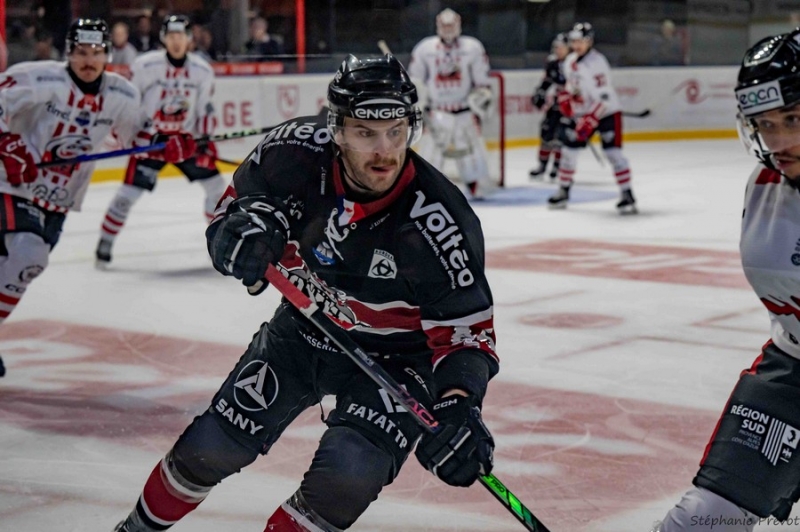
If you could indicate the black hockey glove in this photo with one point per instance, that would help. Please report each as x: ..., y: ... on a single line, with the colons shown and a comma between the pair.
x: 250, y: 237
x: 538, y: 99
x: 463, y: 447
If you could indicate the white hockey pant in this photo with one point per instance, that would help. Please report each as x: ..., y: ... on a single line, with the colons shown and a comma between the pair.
x: 701, y: 510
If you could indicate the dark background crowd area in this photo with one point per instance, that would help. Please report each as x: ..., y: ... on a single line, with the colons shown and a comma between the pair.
x: 516, y: 33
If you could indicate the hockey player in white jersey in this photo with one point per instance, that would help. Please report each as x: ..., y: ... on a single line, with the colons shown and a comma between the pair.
x: 176, y: 87
x: 52, y: 110
x: 589, y: 103
x: 454, y: 69
x: 751, y: 466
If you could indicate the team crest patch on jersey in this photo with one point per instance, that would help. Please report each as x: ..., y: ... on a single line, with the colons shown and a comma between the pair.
x: 382, y: 266
x: 256, y: 386
x: 83, y: 118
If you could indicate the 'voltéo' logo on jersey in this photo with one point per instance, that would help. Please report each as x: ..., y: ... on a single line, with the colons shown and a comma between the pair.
x: 382, y: 266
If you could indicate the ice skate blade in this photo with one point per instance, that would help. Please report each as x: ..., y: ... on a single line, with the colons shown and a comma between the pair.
x: 102, y: 265
x: 560, y: 206
x: 627, y: 210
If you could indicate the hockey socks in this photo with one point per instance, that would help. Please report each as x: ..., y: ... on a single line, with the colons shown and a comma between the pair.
x: 165, y: 499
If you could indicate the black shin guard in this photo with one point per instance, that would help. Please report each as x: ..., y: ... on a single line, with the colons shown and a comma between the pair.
x: 346, y: 475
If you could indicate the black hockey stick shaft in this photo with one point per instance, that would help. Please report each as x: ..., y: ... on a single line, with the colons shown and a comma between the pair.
x: 153, y: 147
x: 368, y: 364
x: 640, y: 114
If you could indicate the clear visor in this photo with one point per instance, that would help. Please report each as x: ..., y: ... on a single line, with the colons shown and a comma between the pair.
x: 769, y: 133
x: 374, y: 136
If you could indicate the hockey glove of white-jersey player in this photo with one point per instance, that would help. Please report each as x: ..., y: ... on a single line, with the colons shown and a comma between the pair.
x: 17, y: 160
x: 463, y: 447
x: 250, y: 237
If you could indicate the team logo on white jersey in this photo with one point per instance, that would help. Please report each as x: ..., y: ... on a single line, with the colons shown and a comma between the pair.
x: 256, y: 386
x: 69, y: 146
x: 382, y: 266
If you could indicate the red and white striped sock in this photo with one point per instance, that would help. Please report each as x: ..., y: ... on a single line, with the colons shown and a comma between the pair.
x: 165, y: 501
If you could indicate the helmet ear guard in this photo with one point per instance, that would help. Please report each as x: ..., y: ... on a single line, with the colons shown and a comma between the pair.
x: 373, y: 89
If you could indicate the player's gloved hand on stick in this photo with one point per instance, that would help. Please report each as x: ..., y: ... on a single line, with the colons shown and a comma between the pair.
x: 538, y: 99
x: 206, y: 155
x: 18, y: 161
x: 250, y: 237
x: 180, y: 146
x: 462, y: 449
x: 585, y: 126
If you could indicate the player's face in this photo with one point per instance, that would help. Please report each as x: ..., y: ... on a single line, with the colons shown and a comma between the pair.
x: 88, y: 61
x: 373, y: 152
x: 561, y: 51
x: 780, y: 131
x: 579, y: 46
x: 177, y: 43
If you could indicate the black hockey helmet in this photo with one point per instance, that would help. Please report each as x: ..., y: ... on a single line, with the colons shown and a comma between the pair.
x: 376, y: 88
x: 581, y: 30
x: 560, y: 40
x: 769, y: 78
x: 179, y: 23
x: 92, y: 31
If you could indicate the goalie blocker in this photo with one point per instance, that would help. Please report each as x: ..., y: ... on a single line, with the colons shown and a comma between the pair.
x: 753, y: 459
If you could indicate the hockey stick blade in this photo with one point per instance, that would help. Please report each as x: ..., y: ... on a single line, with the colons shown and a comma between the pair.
x: 153, y: 147
x: 640, y: 114
x: 373, y: 370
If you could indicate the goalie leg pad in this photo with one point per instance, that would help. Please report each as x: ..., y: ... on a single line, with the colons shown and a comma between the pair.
x: 470, y: 150
x: 753, y: 457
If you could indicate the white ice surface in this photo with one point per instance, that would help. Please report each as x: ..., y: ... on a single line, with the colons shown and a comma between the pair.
x: 598, y: 428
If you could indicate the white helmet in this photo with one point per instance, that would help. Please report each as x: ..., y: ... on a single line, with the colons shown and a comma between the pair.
x: 448, y: 25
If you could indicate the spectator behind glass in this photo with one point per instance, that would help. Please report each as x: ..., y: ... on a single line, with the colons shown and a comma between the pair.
x: 667, y: 48
x: 43, y: 49
x: 203, y: 42
x: 122, y: 52
x: 261, y: 44
x: 21, y: 42
x: 143, y: 38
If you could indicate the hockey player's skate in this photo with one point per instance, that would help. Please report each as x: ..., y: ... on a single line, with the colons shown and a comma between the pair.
x: 560, y: 199
x: 538, y: 173
x: 122, y: 526
x: 103, y: 254
x: 627, y: 204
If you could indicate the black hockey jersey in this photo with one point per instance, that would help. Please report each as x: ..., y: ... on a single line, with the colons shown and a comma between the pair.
x: 403, y: 274
x: 552, y: 74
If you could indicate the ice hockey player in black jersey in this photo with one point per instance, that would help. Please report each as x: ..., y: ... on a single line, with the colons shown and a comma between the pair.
x: 395, y: 255
x: 545, y: 96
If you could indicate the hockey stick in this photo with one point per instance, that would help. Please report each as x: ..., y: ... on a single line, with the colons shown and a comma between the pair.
x: 373, y: 370
x: 640, y: 114
x: 384, y: 47
x: 596, y: 154
x: 153, y: 147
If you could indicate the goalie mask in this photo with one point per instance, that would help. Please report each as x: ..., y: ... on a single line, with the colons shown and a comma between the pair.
x: 373, y: 89
x: 448, y: 25
x: 767, y: 96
